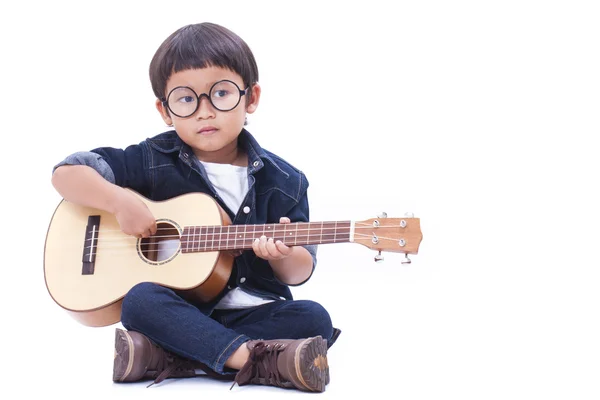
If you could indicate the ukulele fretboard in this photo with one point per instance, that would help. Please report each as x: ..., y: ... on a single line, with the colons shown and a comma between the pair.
x: 240, y: 237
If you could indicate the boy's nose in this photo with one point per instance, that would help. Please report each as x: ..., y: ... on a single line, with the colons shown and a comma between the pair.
x: 205, y: 109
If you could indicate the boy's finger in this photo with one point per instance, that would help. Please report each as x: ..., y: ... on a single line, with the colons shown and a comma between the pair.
x: 272, y: 249
x: 256, y: 247
x: 283, y: 249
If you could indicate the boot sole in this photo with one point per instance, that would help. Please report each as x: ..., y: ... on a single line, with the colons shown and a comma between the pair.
x: 311, y: 367
x: 123, y: 355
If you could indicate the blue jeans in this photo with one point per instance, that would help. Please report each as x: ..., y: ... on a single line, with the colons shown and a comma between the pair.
x: 179, y: 327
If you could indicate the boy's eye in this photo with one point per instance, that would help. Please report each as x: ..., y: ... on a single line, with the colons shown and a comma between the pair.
x: 220, y: 93
x: 186, y: 99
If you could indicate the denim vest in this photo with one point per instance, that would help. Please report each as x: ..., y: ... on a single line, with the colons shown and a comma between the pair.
x: 163, y: 167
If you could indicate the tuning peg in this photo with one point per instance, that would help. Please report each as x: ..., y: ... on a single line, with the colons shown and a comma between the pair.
x: 409, y: 215
x: 378, y: 257
x: 382, y: 215
x: 406, y: 259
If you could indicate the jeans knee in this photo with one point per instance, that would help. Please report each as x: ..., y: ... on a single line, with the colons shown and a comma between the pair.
x: 139, y: 301
x: 316, y: 320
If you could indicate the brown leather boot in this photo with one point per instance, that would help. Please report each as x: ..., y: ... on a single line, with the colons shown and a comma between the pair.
x: 300, y: 364
x: 137, y: 358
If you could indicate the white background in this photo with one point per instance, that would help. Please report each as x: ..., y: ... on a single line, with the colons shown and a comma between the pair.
x: 479, y: 117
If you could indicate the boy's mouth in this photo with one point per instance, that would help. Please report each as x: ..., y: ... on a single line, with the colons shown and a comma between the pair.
x: 207, y: 130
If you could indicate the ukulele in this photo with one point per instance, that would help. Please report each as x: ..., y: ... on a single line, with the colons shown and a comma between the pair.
x: 90, y: 264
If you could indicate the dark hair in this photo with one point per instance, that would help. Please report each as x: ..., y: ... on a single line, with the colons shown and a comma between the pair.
x: 200, y: 46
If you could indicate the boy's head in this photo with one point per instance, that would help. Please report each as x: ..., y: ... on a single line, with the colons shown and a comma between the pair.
x: 199, y: 46
x: 205, y: 80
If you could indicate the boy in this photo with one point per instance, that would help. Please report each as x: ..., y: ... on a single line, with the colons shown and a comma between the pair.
x: 205, y: 79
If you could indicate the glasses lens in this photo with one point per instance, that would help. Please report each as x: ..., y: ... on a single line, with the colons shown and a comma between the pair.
x: 182, y: 101
x: 225, y: 95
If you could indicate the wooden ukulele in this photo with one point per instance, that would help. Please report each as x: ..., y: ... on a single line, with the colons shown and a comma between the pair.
x: 90, y: 264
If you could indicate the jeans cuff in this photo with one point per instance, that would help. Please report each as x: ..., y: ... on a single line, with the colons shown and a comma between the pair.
x: 219, y: 365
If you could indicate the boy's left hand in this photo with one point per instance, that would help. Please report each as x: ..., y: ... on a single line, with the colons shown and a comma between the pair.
x: 268, y: 249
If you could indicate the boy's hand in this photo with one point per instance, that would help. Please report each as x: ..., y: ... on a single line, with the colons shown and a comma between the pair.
x: 268, y: 249
x: 133, y: 215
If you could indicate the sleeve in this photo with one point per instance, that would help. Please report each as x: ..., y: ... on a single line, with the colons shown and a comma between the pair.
x: 90, y: 159
x: 300, y: 213
x: 125, y: 168
x: 128, y: 166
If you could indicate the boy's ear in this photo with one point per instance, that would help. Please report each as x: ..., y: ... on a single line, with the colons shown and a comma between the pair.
x: 254, y: 98
x: 164, y: 113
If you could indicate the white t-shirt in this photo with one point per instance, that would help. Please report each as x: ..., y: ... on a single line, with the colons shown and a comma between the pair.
x: 230, y: 181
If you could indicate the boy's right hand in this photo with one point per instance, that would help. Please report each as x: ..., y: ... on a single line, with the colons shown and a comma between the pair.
x: 133, y: 215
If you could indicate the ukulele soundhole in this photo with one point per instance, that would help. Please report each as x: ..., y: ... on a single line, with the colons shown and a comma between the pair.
x: 163, y: 246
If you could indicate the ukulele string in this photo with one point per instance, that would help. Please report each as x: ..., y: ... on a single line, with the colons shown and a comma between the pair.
x: 207, y: 248
x: 266, y: 226
x: 357, y: 225
x: 202, y: 238
x: 229, y: 231
x: 206, y: 238
x: 208, y: 244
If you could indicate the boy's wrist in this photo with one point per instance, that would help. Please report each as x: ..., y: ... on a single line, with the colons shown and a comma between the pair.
x: 295, y: 268
x: 115, y: 198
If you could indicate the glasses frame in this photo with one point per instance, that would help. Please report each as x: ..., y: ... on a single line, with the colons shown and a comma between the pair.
x: 165, y: 101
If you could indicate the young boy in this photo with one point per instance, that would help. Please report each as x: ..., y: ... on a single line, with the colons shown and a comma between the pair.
x: 205, y: 79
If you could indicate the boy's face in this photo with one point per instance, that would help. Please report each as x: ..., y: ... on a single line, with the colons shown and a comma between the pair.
x: 211, y: 133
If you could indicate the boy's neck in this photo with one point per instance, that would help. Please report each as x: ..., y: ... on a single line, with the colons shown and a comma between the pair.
x: 230, y: 154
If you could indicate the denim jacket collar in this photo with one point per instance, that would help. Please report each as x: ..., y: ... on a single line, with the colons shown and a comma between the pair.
x: 257, y: 156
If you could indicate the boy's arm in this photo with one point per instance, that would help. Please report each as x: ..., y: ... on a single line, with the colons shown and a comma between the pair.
x: 81, y: 184
x: 86, y: 178
x: 297, y: 267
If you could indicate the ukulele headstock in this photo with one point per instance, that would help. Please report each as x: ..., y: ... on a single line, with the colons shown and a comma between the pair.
x: 398, y: 235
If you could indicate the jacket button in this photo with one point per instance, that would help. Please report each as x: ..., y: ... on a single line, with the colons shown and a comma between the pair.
x: 256, y: 163
x: 242, y: 279
x: 246, y: 210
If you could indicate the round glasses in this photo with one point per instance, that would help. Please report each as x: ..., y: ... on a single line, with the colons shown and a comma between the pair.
x: 224, y: 95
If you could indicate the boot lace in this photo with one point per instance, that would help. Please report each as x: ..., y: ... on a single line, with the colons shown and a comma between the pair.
x: 173, y: 366
x: 261, y: 367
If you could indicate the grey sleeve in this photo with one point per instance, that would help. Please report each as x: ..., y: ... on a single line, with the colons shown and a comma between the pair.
x: 312, y: 249
x: 90, y: 159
